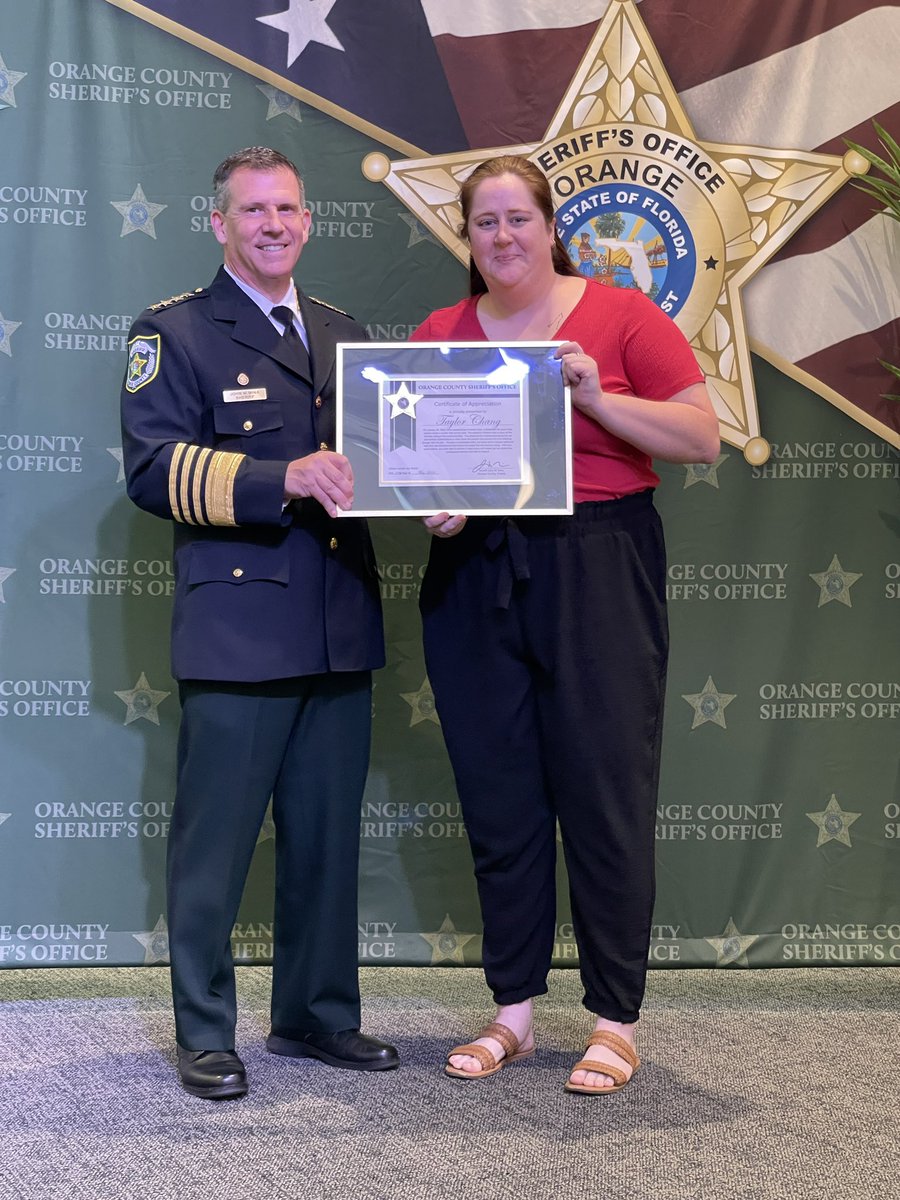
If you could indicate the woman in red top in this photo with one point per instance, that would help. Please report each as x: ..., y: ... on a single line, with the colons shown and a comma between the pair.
x: 550, y: 687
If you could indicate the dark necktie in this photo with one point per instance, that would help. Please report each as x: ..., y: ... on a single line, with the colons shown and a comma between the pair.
x: 292, y: 341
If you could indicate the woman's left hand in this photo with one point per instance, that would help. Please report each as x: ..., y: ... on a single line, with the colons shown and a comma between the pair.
x: 444, y: 525
x: 582, y: 375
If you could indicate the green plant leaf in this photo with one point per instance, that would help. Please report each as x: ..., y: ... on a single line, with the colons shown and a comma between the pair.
x: 887, y: 141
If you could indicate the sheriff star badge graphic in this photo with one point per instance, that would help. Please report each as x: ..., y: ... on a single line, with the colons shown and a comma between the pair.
x: 653, y: 206
x: 142, y: 701
x: 833, y: 823
x: 709, y: 705
x: 5, y: 573
x: 138, y: 213
x: 8, y: 81
x: 422, y: 704
x: 155, y: 942
x: 447, y: 943
x: 835, y: 583
x: 732, y: 946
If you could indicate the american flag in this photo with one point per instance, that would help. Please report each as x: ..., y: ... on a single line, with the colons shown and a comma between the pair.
x: 435, y: 76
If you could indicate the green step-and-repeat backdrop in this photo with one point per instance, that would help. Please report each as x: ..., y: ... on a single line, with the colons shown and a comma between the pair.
x: 779, y: 815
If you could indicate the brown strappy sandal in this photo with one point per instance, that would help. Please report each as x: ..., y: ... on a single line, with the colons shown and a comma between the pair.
x: 489, y: 1064
x: 618, y: 1045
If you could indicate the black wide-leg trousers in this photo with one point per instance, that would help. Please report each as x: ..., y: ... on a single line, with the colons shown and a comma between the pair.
x: 304, y: 742
x: 546, y: 644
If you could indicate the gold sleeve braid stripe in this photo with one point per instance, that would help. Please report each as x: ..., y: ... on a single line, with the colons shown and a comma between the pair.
x: 201, y: 485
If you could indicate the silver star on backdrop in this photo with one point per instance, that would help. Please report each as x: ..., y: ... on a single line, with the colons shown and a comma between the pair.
x: 4, y: 817
x: 447, y: 944
x: 834, y: 824
x: 267, y: 829
x: 417, y: 231
x: 116, y: 452
x: 142, y: 701
x: 835, y: 583
x: 7, y: 329
x: 703, y: 472
x: 731, y: 948
x: 8, y: 81
x: 709, y: 705
x: 155, y: 942
x: 138, y: 213
x: 422, y: 704
x: 280, y: 103
x: 304, y: 22
x: 5, y: 573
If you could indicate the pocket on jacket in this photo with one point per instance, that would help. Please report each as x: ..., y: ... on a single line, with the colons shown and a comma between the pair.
x: 237, y: 563
x: 246, y: 418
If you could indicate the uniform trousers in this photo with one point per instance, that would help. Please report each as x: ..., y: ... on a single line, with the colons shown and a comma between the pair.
x: 304, y: 742
x: 546, y: 644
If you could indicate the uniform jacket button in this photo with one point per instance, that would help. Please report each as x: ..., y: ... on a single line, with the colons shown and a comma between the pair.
x: 333, y: 544
x: 248, y: 425
x: 323, y: 445
x: 318, y: 401
x: 238, y: 572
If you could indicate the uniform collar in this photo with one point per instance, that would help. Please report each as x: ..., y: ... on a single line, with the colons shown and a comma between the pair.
x: 263, y: 302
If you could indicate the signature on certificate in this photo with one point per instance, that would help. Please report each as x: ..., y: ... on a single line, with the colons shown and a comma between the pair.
x: 489, y: 467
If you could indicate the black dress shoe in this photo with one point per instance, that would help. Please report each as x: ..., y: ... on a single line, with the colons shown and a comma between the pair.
x: 212, y: 1074
x: 348, y: 1048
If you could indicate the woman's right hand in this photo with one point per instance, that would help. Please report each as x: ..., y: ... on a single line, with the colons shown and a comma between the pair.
x: 443, y: 525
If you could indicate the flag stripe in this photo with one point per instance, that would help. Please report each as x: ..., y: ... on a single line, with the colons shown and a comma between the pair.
x: 819, y: 77
x: 865, y: 383
x: 851, y: 207
x: 489, y: 17
x: 703, y: 39
x: 515, y: 114
x: 802, y: 304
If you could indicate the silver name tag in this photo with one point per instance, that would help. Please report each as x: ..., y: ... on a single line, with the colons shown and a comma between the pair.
x: 231, y: 397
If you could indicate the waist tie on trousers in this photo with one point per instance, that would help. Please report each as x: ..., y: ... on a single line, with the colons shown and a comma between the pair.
x: 508, y: 545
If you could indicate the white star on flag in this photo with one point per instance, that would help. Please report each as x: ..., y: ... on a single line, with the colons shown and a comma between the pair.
x: 304, y: 22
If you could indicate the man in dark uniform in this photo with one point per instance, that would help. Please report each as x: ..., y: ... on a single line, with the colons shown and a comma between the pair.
x: 228, y: 411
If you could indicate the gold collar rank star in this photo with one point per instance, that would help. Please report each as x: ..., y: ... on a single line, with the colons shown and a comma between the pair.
x: 642, y: 202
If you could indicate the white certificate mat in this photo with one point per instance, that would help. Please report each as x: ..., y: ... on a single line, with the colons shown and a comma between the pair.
x: 464, y: 427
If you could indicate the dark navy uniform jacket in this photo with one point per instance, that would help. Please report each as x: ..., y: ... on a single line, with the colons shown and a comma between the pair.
x: 212, y: 413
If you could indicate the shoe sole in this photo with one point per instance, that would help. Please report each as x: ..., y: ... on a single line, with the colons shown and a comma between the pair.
x: 219, y: 1091
x: 291, y: 1049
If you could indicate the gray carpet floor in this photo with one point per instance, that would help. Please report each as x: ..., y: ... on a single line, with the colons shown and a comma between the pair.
x: 755, y: 1085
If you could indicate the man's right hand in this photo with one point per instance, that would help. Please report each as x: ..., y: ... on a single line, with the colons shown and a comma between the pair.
x: 325, y: 476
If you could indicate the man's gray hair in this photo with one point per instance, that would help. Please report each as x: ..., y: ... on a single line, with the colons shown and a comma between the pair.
x: 256, y: 158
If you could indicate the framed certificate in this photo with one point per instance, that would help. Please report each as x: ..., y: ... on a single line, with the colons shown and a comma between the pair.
x: 462, y: 427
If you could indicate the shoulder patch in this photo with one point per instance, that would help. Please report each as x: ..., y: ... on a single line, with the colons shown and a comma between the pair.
x: 325, y: 304
x: 176, y: 299
x: 144, y: 353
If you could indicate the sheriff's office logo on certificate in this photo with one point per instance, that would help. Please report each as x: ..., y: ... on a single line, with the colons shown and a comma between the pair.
x: 642, y: 203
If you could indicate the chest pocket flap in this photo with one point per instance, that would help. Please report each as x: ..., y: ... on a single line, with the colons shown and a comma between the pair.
x: 244, y: 418
x: 238, y: 563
